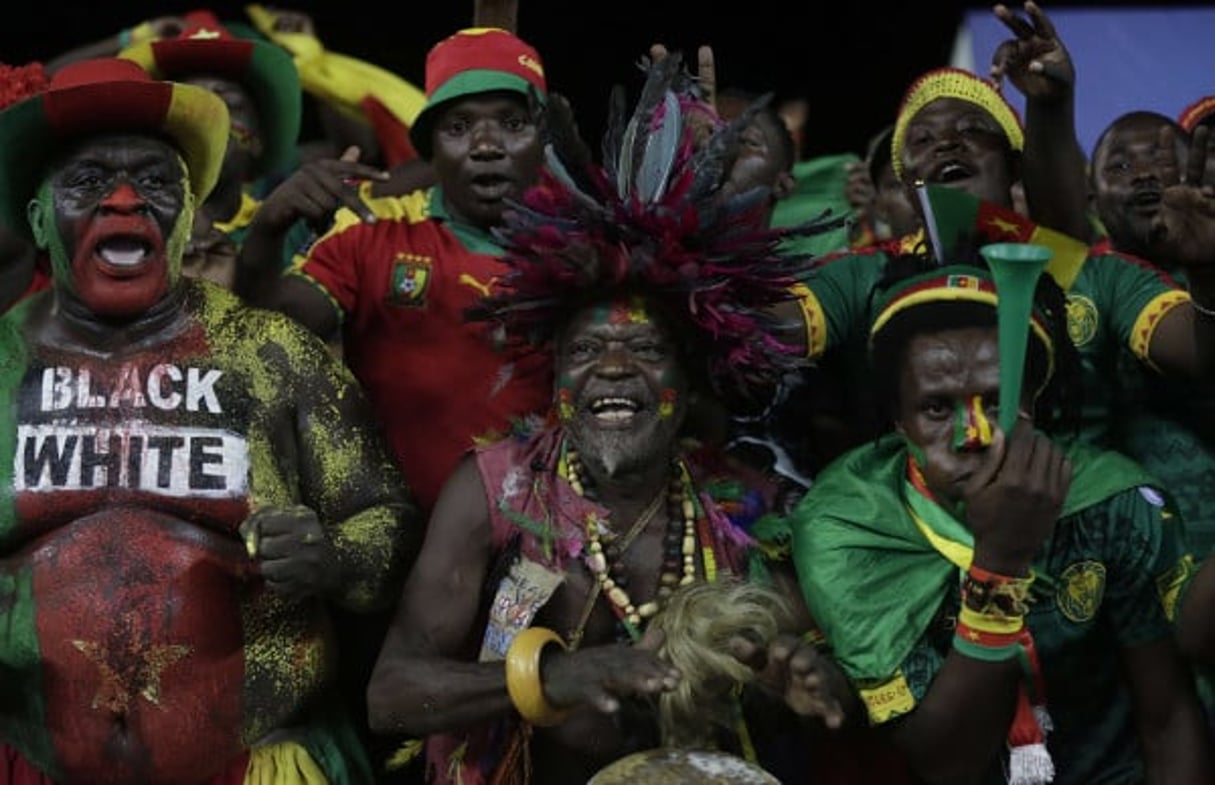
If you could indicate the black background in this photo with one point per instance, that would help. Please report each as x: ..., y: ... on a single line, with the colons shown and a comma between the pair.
x: 849, y: 60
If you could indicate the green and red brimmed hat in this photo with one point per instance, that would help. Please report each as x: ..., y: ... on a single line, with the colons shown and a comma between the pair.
x: 953, y: 83
x: 1197, y: 113
x: 475, y: 60
x: 207, y: 48
x: 952, y: 285
x: 106, y: 95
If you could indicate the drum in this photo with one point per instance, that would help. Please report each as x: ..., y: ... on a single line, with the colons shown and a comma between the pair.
x: 682, y: 767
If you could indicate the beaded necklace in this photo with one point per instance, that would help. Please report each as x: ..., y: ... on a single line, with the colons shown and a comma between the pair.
x: 686, y: 524
x: 604, y: 559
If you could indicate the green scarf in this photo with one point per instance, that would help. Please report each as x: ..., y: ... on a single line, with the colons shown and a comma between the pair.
x: 871, y: 578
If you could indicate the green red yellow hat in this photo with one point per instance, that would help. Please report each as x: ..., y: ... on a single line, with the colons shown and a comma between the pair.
x: 1197, y: 113
x: 205, y: 47
x: 945, y: 286
x: 106, y: 95
x: 475, y: 60
x: 953, y: 83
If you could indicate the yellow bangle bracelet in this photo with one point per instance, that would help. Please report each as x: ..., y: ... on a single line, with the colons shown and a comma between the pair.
x: 986, y: 622
x: 523, y: 676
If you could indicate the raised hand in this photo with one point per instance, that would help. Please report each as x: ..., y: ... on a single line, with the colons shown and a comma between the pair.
x: 859, y: 188
x: 1183, y: 231
x: 292, y: 550
x: 316, y: 190
x: 1014, y: 499
x: 1035, y: 59
x: 810, y: 683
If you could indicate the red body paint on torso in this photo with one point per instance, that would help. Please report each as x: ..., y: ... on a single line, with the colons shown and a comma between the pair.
x: 155, y: 651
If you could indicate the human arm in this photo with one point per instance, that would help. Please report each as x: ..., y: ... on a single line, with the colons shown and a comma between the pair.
x: 311, y: 194
x: 829, y: 307
x: 1195, y: 632
x: 424, y: 681
x: 497, y: 13
x: 1054, y: 167
x: 1183, y: 236
x: 355, y: 530
x: 1176, y: 743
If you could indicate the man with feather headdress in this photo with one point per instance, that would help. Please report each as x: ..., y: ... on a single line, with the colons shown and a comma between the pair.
x: 644, y: 283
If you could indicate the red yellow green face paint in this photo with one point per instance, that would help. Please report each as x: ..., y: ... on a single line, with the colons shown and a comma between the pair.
x: 625, y: 310
x: 971, y: 427
x: 666, y: 401
x: 565, y: 398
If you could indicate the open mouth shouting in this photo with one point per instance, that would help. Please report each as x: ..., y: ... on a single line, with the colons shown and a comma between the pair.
x: 950, y: 171
x: 120, y: 267
x: 123, y: 256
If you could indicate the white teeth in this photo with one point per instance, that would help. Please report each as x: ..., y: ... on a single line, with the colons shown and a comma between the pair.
x: 627, y: 405
x: 614, y: 415
x: 124, y: 257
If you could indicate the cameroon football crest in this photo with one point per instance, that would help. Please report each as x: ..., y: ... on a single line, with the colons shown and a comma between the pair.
x: 1081, y: 588
x: 1081, y: 319
x: 410, y: 280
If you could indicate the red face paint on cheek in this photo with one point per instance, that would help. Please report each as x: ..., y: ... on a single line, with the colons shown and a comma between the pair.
x: 565, y: 399
x: 972, y: 428
x: 667, y: 399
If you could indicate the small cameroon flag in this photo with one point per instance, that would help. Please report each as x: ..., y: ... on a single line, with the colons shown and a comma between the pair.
x: 951, y: 215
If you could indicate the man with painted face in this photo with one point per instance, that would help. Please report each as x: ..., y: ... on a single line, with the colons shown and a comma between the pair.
x: 571, y: 534
x: 973, y: 582
x: 395, y: 274
x: 190, y: 486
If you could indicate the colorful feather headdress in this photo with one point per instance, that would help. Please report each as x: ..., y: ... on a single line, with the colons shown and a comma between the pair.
x: 653, y: 220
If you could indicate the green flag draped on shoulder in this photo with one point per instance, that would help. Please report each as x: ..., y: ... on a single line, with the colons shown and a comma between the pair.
x: 872, y: 579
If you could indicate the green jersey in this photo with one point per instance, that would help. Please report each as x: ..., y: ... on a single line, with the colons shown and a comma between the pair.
x: 1114, y: 303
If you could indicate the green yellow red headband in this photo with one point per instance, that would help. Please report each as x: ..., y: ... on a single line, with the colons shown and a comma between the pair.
x: 1194, y: 114
x: 953, y: 83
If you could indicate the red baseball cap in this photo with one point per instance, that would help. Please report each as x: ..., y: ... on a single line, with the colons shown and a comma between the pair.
x: 475, y: 60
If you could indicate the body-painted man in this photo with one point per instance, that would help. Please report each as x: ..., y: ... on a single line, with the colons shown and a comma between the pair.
x: 575, y: 534
x: 189, y: 486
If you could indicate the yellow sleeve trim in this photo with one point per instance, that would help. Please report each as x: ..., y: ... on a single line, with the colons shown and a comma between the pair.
x: 816, y: 323
x: 298, y: 272
x: 887, y: 700
x: 1150, y: 317
x: 285, y: 763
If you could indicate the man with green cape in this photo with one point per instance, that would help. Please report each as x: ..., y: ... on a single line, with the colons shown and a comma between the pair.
x: 1003, y: 606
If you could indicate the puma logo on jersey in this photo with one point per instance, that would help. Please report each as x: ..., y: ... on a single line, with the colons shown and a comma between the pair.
x: 484, y: 288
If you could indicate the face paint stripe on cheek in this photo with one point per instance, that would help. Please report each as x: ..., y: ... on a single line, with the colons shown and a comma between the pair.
x: 565, y: 398
x: 972, y: 428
